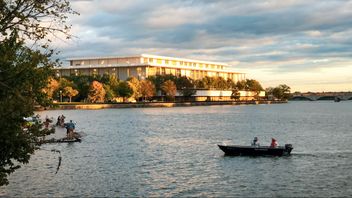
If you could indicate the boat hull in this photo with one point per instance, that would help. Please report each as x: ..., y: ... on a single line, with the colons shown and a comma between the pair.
x: 63, y: 140
x: 235, y: 150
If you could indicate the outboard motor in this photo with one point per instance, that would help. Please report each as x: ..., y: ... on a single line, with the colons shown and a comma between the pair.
x: 288, y: 148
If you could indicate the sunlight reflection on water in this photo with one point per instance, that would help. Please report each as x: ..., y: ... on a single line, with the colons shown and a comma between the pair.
x: 173, y: 152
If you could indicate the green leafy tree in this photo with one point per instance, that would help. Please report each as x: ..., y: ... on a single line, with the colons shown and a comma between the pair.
x: 282, y: 92
x: 230, y: 84
x: 208, y: 82
x: 220, y: 83
x: 110, y: 93
x: 82, y: 84
x: 241, y: 85
x: 235, y: 94
x: 200, y: 84
x: 169, y: 88
x: 21, y: 88
x: 24, y: 73
x: 124, y: 90
x: 185, y: 86
x: 96, y: 92
x: 253, y: 85
x: 158, y: 80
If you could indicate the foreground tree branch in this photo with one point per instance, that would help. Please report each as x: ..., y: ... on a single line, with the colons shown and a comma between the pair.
x: 24, y: 73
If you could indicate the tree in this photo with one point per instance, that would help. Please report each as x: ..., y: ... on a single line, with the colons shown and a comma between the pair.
x: 31, y: 18
x: 96, y: 92
x: 70, y: 92
x: 158, y: 80
x: 241, y: 85
x: 124, y: 90
x: 235, y: 94
x: 21, y: 88
x: 24, y: 73
x: 185, y: 86
x: 147, y: 89
x: 169, y: 88
x: 282, y: 92
x: 82, y: 84
x: 253, y: 85
x: 52, y: 86
x: 230, y: 84
x: 135, y: 86
x: 110, y: 93
x: 220, y: 83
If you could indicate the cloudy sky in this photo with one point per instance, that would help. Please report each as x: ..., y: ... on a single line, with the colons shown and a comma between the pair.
x: 305, y: 44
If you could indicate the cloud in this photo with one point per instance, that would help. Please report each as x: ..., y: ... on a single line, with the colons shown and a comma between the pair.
x: 278, y: 37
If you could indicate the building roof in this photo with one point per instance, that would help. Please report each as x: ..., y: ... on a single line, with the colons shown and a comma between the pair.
x: 147, y: 56
x: 137, y: 65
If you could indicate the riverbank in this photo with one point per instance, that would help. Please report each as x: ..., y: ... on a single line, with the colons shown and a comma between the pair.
x: 70, y: 106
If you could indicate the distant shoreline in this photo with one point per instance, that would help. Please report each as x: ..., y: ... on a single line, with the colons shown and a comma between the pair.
x: 86, y: 106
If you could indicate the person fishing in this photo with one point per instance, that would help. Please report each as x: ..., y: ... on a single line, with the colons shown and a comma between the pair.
x: 274, y: 143
x: 47, y: 122
x: 255, y: 142
x: 70, y: 127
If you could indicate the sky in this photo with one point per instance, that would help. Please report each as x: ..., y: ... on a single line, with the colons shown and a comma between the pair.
x: 305, y: 44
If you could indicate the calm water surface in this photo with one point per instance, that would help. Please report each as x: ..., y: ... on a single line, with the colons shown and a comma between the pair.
x: 173, y: 152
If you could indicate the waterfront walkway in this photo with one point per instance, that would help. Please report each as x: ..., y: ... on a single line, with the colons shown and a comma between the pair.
x: 160, y: 104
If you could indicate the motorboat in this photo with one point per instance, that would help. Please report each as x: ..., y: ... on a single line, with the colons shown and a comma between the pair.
x: 237, y: 150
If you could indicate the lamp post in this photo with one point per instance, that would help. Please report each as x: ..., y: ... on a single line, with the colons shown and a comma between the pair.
x: 60, y: 95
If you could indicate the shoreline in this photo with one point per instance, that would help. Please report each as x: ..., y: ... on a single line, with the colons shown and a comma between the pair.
x: 155, y: 104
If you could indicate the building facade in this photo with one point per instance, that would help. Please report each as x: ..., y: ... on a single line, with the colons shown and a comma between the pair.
x: 145, y: 65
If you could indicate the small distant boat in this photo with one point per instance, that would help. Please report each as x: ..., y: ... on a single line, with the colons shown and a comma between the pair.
x: 237, y: 150
x: 62, y: 140
x: 337, y: 99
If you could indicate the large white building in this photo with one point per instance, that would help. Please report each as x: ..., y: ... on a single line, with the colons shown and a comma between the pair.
x: 145, y: 65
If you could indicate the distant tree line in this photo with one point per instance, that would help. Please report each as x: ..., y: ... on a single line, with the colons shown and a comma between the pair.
x: 281, y: 92
x: 106, y: 88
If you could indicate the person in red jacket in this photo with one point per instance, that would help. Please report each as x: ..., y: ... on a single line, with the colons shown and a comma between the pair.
x: 274, y: 143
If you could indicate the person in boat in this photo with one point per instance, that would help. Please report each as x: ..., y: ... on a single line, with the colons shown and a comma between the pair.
x: 62, y: 120
x: 274, y: 143
x: 58, y: 121
x: 255, y: 142
x: 47, y: 121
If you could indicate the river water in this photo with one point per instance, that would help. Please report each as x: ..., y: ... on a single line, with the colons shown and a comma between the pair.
x: 148, y: 152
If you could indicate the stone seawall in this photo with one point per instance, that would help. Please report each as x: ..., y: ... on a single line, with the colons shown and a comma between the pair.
x: 160, y: 104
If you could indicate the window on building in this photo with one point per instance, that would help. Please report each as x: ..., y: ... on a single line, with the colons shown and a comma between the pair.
x: 174, y: 63
x: 166, y: 62
x: 152, y: 71
x: 139, y: 71
x: 181, y: 62
x: 128, y: 72
x: 151, y: 60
